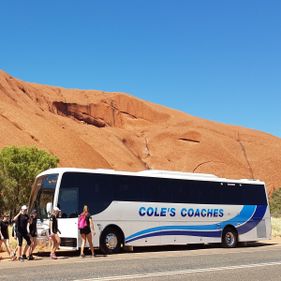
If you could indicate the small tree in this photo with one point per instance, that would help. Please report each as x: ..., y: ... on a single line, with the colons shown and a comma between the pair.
x: 18, y: 169
x: 275, y: 203
x: 1, y: 193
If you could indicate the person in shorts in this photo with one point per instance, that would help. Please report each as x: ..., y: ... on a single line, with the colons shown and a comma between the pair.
x: 85, y: 232
x: 32, y: 234
x: 54, y: 232
x: 4, y: 233
x: 22, y: 221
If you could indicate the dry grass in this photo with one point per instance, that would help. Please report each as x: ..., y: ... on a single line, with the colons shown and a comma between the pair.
x: 276, y: 227
x: 42, y: 245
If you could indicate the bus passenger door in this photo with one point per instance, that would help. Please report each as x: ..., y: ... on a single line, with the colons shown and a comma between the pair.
x: 68, y: 222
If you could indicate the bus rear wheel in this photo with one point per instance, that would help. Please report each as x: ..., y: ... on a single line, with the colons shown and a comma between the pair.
x: 229, y: 237
x: 111, y: 241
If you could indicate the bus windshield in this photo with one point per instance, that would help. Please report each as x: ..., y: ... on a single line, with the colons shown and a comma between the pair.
x: 43, y: 192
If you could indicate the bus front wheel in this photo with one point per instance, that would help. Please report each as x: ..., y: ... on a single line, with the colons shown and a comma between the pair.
x: 229, y: 237
x: 111, y: 241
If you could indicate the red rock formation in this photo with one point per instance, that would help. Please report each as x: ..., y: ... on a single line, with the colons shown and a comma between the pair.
x: 114, y: 130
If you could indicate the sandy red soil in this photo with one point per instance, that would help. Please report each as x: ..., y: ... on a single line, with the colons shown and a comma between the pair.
x: 97, y: 129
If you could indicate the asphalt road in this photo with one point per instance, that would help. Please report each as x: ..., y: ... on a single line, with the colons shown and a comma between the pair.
x: 196, y: 263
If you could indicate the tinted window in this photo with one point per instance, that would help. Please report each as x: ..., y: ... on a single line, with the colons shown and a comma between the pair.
x: 98, y: 191
x: 68, y: 202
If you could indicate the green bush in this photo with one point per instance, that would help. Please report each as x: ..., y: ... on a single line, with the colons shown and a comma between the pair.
x: 18, y: 169
x: 275, y: 203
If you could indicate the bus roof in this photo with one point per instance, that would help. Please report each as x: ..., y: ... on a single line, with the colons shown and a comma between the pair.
x: 156, y: 174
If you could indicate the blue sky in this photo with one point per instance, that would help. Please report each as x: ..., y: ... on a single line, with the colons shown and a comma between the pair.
x: 219, y: 60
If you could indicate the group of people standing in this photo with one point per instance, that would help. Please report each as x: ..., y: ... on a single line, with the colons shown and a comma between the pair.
x: 25, y: 228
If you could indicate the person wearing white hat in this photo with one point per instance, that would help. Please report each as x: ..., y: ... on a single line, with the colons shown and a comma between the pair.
x: 22, y: 220
x: 53, y: 232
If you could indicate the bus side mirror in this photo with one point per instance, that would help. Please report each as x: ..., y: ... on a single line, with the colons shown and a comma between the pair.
x: 49, y: 208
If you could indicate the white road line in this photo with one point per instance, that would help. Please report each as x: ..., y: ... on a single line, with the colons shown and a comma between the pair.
x: 179, y: 272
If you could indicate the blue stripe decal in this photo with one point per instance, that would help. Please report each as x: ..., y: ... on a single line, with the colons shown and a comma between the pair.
x: 255, y: 220
x: 246, y: 220
x: 178, y: 232
x: 245, y: 214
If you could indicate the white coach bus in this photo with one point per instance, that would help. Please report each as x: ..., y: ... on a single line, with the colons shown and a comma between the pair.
x: 152, y: 207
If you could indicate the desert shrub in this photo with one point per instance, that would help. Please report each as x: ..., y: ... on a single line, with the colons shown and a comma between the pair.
x: 275, y: 203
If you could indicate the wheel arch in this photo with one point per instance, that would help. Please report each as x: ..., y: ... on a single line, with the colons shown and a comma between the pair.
x: 230, y: 226
x: 116, y: 227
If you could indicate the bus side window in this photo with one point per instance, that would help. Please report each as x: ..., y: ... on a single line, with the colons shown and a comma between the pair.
x: 68, y: 202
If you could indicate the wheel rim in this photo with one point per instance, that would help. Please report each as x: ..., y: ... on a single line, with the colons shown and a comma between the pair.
x: 229, y: 238
x: 111, y: 241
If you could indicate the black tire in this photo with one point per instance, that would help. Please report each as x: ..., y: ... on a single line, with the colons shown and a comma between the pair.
x: 229, y: 237
x: 111, y: 241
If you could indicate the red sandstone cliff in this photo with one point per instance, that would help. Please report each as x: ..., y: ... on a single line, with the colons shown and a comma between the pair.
x: 114, y: 130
